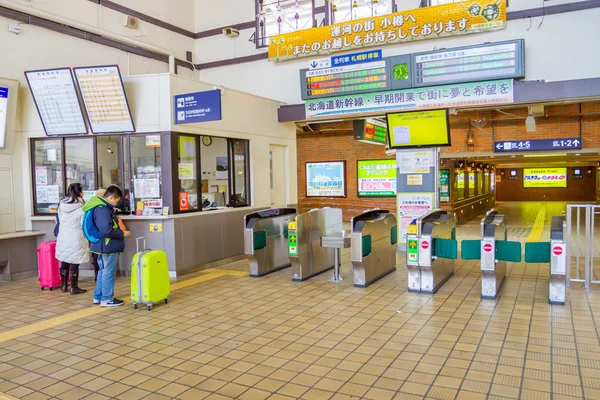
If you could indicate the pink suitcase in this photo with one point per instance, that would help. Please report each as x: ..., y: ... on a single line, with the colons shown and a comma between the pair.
x: 48, y: 265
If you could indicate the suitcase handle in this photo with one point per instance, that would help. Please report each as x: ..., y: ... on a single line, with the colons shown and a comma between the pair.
x: 137, y: 243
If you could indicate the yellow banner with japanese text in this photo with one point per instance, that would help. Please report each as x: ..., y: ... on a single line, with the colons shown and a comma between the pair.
x: 419, y: 24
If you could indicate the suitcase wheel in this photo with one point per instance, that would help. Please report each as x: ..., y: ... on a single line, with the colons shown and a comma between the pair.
x: 42, y: 288
x: 149, y: 307
x: 166, y: 301
x: 50, y: 289
x: 135, y: 306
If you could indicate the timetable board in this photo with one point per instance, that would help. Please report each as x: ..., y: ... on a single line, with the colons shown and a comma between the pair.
x: 56, y: 100
x: 104, y: 99
x: 345, y: 79
x: 3, y: 115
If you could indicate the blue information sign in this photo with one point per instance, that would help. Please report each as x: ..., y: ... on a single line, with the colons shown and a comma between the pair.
x: 536, y: 145
x: 198, y: 107
x: 356, y: 58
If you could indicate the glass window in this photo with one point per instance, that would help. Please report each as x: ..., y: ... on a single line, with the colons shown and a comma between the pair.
x: 282, y: 16
x: 471, y: 183
x: 438, y: 2
x: 240, y: 173
x: 215, y: 170
x: 48, y: 182
x: 147, y: 174
x: 79, y: 161
x: 346, y: 10
x: 480, y: 184
x: 187, y: 165
x: 460, y: 184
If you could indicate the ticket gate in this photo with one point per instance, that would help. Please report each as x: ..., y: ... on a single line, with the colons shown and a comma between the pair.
x: 305, y: 252
x: 431, y: 251
x: 558, y: 260
x: 493, y: 251
x: 266, y: 240
x: 373, y: 246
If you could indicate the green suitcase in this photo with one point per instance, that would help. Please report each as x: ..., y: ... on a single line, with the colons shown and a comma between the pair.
x: 150, y: 282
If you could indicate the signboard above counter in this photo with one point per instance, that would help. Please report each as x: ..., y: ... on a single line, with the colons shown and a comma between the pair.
x: 368, y: 72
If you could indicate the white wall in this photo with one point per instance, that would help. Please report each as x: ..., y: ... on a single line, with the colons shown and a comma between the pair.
x: 559, y: 49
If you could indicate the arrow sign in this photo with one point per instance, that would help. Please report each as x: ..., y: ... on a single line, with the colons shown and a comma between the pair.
x: 499, y: 146
x: 536, y: 145
x: 320, y: 63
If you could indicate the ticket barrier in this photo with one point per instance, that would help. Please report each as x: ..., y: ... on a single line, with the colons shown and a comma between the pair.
x: 373, y: 246
x: 307, y: 255
x: 555, y: 253
x: 266, y: 240
x: 431, y: 251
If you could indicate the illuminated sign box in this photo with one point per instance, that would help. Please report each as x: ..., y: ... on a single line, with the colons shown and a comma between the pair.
x: 419, y: 129
x: 370, y: 131
x: 376, y: 178
x: 545, y: 178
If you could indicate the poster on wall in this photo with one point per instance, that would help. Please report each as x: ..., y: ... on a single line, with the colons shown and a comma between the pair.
x: 417, y: 162
x: 411, y: 206
x: 222, y: 173
x: 376, y: 178
x: 544, y: 177
x: 445, y: 185
x: 326, y: 179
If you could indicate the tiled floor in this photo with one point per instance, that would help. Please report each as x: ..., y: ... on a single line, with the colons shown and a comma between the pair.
x: 224, y: 335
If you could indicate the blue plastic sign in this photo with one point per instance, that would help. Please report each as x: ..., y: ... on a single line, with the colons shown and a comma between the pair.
x: 198, y: 107
x: 537, y: 145
x: 357, y: 58
x: 3, y: 115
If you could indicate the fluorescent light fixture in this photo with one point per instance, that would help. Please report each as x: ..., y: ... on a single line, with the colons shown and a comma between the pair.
x: 544, y: 155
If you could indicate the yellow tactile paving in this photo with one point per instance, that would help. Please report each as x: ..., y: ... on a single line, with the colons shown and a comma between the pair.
x: 63, y: 319
x: 538, y: 226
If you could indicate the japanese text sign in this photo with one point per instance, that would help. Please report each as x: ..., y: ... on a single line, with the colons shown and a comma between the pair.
x: 198, y: 107
x: 418, y: 24
x: 540, y: 144
x: 448, y: 96
x: 545, y: 177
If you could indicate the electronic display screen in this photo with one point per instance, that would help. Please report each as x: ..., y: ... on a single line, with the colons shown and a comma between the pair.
x: 370, y: 131
x: 545, y: 178
x: 104, y: 99
x: 56, y: 100
x: 376, y: 178
x: 419, y: 129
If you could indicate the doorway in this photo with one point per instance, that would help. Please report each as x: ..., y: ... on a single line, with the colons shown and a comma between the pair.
x: 277, y: 164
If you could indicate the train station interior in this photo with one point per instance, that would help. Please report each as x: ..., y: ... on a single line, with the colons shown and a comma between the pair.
x: 299, y: 199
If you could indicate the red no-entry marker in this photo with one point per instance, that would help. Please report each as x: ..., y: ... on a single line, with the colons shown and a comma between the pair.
x: 487, y: 248
x: 557, y: 250
x: 425, y: 245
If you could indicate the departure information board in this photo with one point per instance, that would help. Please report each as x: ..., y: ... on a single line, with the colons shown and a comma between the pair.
x: 469, y: 64
x: 345, y: 79
x: 104, y: 99
x: 55, y: 98
x: 3, y: 115
x: 370, y: 131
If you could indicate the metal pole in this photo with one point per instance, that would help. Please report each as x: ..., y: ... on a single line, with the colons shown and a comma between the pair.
x: 588, y: 246
x: 436, y: 180
x: 578, y: 240
x: 568, y: 245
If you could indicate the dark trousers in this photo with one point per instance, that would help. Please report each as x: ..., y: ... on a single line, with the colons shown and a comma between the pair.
x: 65, y: 266
x: 96, y: 266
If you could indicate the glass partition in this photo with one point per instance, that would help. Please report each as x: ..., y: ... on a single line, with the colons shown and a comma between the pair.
x: 48, y: 178
x: 240, y: 173
x: 147, y: 175
x: 186, y: 172
x: 80, y: 162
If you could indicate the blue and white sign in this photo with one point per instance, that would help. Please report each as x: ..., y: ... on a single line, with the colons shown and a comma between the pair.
x: 357, y: 58
x: 198, y: 107
x: 320, y: 63
x: 537, y: 145
x: 3, y: 115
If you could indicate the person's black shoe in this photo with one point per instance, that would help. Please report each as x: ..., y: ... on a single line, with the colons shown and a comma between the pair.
x: 64, y: 280
x: 112, y: 303
x: 74, y: 283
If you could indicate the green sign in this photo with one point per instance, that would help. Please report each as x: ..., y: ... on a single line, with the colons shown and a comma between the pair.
x: 445, y: 185
x: 376, y: 178
x: 412, y: 250
x: 293, y: 244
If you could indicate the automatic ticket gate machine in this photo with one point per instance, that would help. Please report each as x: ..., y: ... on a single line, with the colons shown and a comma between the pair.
x: 431, y: 251
x: 493, y: 251
x: 305, y: 252
x: 554, y: 252
x: 374, y: 240
x: 266, y: 240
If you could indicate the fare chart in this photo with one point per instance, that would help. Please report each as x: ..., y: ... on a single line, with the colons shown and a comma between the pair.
x: 56, y: 100
x: 104, y: 99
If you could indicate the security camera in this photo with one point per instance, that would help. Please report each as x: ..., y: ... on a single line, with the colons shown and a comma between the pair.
x: 231, y: 32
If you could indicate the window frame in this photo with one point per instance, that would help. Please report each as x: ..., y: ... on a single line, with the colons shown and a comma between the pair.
x: 329, y: 12
x: 32, y: 163
x: 263, y: 42
x: 232, y: 175
x: 198, y: 172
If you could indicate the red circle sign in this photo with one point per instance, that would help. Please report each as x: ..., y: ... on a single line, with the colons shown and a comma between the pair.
x: 425, y: 245
x: 557, y: 251
x: 487, y: 248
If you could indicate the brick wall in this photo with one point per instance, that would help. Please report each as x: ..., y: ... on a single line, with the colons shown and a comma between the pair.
x: 576, y: 190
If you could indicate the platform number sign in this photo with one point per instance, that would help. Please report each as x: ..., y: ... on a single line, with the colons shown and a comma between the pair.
x: 412, y: 250
x: 293, y: 244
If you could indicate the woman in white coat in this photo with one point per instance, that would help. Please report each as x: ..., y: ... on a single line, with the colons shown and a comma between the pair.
x: 72, y: 248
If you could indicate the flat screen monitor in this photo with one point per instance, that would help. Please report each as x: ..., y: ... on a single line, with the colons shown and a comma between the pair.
x: 416, y: 129
x: 56, y: 100
x: 3, y: 115
x: 376, y: 178
x: 545, y: 178
x: 104, y: 98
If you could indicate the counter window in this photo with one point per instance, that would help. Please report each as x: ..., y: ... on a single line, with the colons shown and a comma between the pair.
x: 240, y: 173
x: 147, y: 175
x: 79, y: 161
x: 187, y: 167
x: 471, y: 183
x: 460, y: 184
